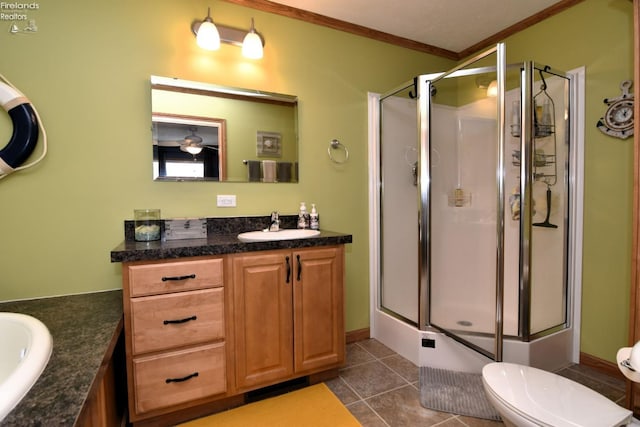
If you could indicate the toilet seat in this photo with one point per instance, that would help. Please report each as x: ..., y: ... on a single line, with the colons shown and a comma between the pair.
x: 547, y: 399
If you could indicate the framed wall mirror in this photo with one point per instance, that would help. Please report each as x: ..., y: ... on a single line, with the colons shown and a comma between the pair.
x: 206, y: 132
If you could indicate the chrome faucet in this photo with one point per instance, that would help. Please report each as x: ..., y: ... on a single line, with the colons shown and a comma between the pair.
x: 275, y: 222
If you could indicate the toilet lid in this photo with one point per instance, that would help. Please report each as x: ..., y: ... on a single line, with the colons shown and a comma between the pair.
x: 549, y: 398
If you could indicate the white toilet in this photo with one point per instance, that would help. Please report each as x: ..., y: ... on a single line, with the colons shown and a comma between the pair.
x: 530, y: 397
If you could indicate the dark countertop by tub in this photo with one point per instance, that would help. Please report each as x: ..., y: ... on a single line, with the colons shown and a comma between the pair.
x: 222, y: 238
x: 84, y: 328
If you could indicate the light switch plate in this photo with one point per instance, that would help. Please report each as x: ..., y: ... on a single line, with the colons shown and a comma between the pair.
x: 226, y: 200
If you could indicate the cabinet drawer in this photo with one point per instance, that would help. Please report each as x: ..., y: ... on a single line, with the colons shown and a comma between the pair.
x: 149, y: 279
x: 177, y: 377
x: 172, y: 320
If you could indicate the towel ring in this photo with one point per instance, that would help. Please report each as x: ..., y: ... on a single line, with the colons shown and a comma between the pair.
x: 335, y: 145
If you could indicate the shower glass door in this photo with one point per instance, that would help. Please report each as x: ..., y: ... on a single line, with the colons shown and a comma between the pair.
x: 475, y: 199
x: 399, y: 235
x: 462, y: 201
x: 544, y: 305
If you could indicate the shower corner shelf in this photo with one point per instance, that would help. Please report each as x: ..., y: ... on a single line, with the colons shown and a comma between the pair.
x: 541, y: 131
x: 541, y: 159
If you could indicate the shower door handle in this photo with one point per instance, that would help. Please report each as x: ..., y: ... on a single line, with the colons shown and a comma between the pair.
x: 414, y: 172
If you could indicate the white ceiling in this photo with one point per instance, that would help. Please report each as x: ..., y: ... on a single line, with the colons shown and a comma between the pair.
x: 448, y: 24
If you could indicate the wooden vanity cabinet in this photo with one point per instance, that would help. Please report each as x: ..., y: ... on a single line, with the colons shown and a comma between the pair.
x: 175, y: 334
x: 288, y: 314
x: 201, y: 332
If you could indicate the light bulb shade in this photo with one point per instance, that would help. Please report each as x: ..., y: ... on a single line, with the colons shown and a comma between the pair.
x: 208, y: 36
x: 492, y: 90
x: 252, y: 45
x: 191, y: 149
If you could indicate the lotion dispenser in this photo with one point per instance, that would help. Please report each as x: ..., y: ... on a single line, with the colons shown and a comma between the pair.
x: 303, y: 217
x: 314, y: 220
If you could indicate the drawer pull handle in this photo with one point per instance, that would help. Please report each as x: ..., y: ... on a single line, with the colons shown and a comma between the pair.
x: 167, y: 322
x: 288, y: 270
x: 179, y: 380
x: 176, y: 278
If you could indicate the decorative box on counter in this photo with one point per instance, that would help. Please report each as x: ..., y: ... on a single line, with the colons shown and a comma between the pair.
x: 185, y: 228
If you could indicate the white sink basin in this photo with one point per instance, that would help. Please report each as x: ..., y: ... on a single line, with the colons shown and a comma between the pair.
x: 24, y: 353
x: 267, y: 236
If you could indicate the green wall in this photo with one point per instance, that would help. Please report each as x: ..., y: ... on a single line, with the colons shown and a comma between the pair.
x: 87, y: 71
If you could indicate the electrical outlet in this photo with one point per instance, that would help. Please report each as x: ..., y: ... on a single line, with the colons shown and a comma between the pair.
x: 429, y: 343
x: 226, y: 200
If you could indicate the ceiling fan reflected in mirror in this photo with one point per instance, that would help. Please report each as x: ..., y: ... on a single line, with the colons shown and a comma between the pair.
x: 193, y: 144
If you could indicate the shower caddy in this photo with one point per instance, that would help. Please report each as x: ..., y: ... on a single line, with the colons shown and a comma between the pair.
x: 545, y: 168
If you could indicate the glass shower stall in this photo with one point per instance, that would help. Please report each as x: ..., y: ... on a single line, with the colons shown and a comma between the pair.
x: 475, y: 204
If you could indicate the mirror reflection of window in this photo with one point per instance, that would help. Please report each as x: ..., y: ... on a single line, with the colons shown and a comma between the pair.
x: 187, y: 147
x: 186, y: 169
x: 183, y: 170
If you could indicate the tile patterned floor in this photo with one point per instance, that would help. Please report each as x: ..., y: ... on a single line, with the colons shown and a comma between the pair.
x: 381, y: 389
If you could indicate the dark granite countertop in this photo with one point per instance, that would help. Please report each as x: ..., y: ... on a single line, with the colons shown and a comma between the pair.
x: 218, y: 244
x: 84, y: 329
x: 222, y: 238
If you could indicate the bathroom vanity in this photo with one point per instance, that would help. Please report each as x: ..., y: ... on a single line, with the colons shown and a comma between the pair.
x: 210, y: 321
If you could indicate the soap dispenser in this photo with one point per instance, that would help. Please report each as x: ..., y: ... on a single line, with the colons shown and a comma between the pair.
x: 303, y: 217
x: 314, y: 220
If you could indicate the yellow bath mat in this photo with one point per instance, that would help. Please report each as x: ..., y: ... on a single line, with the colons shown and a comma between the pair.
x: 314, y: 406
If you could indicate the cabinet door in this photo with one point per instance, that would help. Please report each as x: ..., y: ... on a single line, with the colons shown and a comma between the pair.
x: 319, y: 314
x: 262, y: 312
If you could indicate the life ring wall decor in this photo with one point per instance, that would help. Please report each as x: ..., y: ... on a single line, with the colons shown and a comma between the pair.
x: 27, y: 128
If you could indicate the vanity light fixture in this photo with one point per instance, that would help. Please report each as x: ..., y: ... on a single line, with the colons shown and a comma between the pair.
x: 209, y: 35
x: 492, y: 90
x: 252, y: 44
x: 491, y: 86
